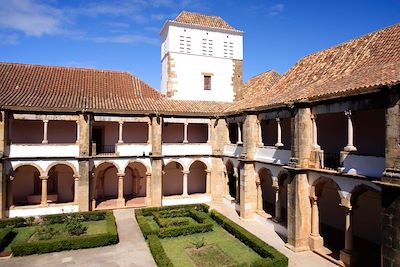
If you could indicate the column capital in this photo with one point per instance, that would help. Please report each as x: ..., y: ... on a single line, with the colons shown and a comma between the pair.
x: 121, y: 122
x: 185, y: 172
x: 44, y: 177
x: 314, y: 200
x: 347, y: 113
x: 277, y: 119
x: 148, y: 174
x: 208, y: 171
x: 121, y: 174
x: 313, y: 116
x: 11, y: 178
x: 76, y: 176
x: 46, y: 121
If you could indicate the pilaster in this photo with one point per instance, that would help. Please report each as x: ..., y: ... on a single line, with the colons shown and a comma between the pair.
x: 156, y: 162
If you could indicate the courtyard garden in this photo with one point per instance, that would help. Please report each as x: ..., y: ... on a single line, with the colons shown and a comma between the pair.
x: 50, y: 233
x: 190, y: 235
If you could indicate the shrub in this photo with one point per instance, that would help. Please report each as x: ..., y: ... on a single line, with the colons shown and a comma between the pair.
x: 14, y: 222
x: 185, y: 230
x: 83, y: 216
x: 143, y: 225
x: 6, y: 235
x: 158, y: 252
x: 68, y: 243
x: 74, y: 226
x: 271, y: 257
x: 45, y: 232
x: 198, y: 207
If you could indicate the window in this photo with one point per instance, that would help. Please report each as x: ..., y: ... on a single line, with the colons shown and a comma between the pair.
x: 207, y: 82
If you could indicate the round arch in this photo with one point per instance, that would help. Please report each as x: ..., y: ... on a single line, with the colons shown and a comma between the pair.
x: 96, y: 166
x: 73, y: 168
x: 197, y: 178
x: 135, y: 179
x: 231, y: 179
x: 147, y: 167
x: 61, y: 181
x: 34, y: 165
x: 180, y: 162
x: 199, y: 160
x: 172, y: 181
x: 319, y: 184
x: 26, y: 185
x: 267, y: 190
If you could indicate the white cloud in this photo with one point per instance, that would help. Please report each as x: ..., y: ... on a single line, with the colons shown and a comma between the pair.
x: 30, y: 17
x: 276, y: 9
x: 11, y: 39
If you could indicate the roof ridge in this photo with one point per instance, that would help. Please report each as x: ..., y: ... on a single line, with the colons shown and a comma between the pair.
x: 350, y: 40
x: 64, y: 67
x: 264, y: 72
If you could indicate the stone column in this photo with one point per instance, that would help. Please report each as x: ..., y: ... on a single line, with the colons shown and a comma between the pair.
x: 149, y: 128
x: 44, y: 190
x: 10, y: 191
x: 185, y: 183
x: 120, y: 131
x: 209, y: 133
x: 148, y: 189
x: 208, y: 181
x: 93, y: 191
x: 278, y: 216
x: 315, y: 132
x: 156, y: 162
x: 236, y: 175
x: 279, y: 135
x: 228, y: 139
x: 76, y: 188
x: 4, y: 152
x: 316, y: 240
x: 350, y: 147
x: 346, y: 255
x: 185, y: 131
x: 45, y: 124
x: 121, y: 199
x: 260, y: 141
x: 239, y: 142
x: 77, y: 132
x: 259, y: 195
x: 83, y: 191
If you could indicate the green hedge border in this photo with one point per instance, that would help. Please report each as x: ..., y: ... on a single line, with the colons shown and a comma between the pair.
x: 158, y: 252
x: 6, y: 234
x: 270, y: 256
x: 71, y: 243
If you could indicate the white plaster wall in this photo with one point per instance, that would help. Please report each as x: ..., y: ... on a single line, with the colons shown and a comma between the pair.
x: 170, y: 201
x: 44, y: 150
x: 135, y: 132
x: 233, y: 150
x: 37, y: 211
x: 133, y: 149
x: 189, y: 81
x: 271, y: 154
x: 364, y: 165
x: 186, y: 149
x: 26, y: 132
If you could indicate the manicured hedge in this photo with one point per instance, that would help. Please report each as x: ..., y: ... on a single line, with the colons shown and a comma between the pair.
x: 15, y: 222
x: 84, y: 216
x: 185, y: 230
x: 69, y: 243
x: 143, y: 225
x: 158, y: 252
x: 270, y: 256
x: 199, y: 207
x: 6, y: 234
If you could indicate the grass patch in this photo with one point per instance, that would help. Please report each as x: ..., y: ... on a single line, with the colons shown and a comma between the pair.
x: 206, y: 257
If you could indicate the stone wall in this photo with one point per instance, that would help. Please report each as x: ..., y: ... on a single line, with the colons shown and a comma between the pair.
x: 237, y: 79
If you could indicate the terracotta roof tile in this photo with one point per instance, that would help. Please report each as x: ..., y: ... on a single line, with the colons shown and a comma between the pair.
x: 203, y: 20
x: 354, y: 66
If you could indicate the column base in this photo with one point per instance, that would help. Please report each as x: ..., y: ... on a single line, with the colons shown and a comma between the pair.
x: 348, y: 257
x: 93, y: 204
x: 316, y: 242
x: 350, y: 148
x: 298, y: 248
x: 121, y: 202
x: 278, y: 144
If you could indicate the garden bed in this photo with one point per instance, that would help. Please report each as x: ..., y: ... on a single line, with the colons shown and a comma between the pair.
x: 198, y: 238
x: 59, y: 232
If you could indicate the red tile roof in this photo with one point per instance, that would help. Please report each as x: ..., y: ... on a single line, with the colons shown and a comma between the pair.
x: 203, y: 20
x: 352, y: 67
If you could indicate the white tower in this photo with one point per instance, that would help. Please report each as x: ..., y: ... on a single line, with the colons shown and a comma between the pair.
x: 201, y: 58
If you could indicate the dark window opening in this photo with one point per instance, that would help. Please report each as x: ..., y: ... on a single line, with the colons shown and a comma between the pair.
x: 207, y: 82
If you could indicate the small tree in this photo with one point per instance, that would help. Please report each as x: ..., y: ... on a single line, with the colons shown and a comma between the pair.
x: 74, y: 226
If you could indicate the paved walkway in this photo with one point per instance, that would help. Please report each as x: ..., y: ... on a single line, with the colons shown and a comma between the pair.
x: 131, y: 250
x: 274, y: 235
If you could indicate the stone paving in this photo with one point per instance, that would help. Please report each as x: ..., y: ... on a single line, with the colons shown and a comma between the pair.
x: 132, y: 249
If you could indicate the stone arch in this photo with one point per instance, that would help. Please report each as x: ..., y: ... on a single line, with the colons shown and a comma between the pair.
x: 283, y: 180
x: 60, y: 181
x: 105, y: 186
x: 184, y: 166
x: 115, y: 164
x: 148, y: 168
x: 267, y: 190
x: 357, y: 191
x: 197, y: 178
x: 25, y: 185
x: 200, y: 160
x: 32, y: 164
x: 135, y: 182
x: 66, y: 163
x: 320, y: 182
x: 172, y: 181
x: 231, y: 178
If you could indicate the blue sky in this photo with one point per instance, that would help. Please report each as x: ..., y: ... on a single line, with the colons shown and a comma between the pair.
x: 124, y: 35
